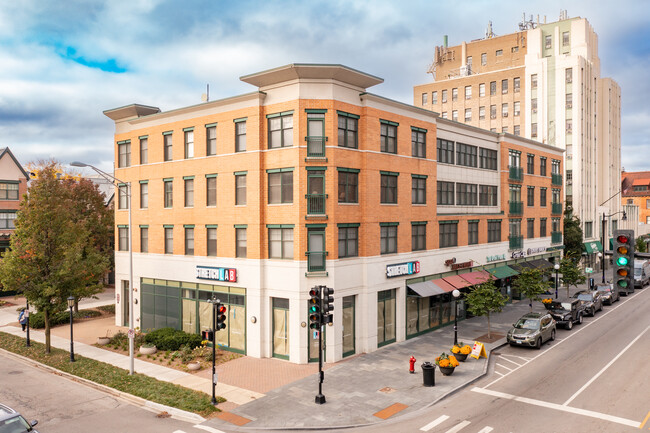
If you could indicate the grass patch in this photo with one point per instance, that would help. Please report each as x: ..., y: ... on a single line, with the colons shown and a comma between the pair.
x: 110, y: 308
x: 139, y: 385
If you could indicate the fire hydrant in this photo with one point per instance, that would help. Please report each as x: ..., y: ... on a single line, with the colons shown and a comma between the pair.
x: 412, y: 365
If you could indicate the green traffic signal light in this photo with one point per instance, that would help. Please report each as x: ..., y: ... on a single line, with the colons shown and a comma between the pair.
x: 622, y: 261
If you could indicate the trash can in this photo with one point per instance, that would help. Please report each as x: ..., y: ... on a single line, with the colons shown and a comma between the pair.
x: 428, y: 374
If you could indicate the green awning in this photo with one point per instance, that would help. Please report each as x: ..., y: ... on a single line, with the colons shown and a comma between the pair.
x: 593, y: 247
x: 503, y: 272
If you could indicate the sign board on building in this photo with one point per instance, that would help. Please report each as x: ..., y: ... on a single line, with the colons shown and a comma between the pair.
x: 535, y: 250
x: 218, y: 274
x: 518, y: 254
x: 495, y: 257
x: 463, y: 265
x: 408, y: 268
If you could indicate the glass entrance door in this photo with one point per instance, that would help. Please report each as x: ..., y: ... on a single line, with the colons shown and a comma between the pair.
x: 348, y: 326
x: 281, y: 328
x: 126, y: 303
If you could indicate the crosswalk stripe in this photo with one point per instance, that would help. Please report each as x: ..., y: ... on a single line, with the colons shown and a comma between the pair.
x: 208, y: 429
x: 458, y: 427
x: 435, y: 422
x: 486, y: 429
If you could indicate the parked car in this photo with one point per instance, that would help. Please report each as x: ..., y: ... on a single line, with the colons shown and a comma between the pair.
x: 591, y: 300
x: 608, y: 293
x: 641, y: 273
x: 12, y: 422
x: 532, y: 329
x: 567, y: 312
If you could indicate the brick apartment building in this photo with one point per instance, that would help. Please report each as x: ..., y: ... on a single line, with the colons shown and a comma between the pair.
x: 312, y: 180
x: 13, y: 184
x: 636, y: 191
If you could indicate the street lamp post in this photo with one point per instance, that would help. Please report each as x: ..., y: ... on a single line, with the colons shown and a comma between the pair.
x: 27, y: 317
x: 456, y: 295
x: 113, y: 179
x: 71, y: 305
x: 214, y: 301
x: 601, y: 257
x: 557, y: 268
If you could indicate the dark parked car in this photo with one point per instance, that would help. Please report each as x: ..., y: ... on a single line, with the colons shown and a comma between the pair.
x: 12, y: 422
x: 608, y: 293
x: 567, y: 312
x: 532, y: 329
x: 591, y: 300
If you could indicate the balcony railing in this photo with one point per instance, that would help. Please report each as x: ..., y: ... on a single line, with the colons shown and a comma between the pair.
x: 316, y: 146
x: 556, y: 237
x: 516, y: 242
x: 516, y: 208
x: 556, y: 179
x: 516, y: 173
x: 316, y: 204
x: 556, y: 208
x: 316, y: 261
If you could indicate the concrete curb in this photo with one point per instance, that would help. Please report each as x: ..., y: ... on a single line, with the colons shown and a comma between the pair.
x: 138, y: 401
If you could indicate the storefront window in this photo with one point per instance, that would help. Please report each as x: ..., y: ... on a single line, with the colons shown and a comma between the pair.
x: 281, y: 328
x: 385, y: 317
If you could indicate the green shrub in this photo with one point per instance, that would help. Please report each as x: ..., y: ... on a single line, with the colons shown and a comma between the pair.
x: 37, y: 320
x: 172, y: 339
x: 110, y: 309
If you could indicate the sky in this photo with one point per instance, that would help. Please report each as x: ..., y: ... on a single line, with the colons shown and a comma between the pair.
x: 63, y: 63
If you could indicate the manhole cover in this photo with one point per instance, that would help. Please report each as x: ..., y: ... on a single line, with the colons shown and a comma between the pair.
x: 387, y: 390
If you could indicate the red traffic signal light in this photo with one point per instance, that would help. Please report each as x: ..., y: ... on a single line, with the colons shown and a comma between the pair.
x: 221, y: 316
x: 622, y: 239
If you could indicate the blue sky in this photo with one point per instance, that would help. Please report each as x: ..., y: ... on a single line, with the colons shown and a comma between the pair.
x: 63, y: 63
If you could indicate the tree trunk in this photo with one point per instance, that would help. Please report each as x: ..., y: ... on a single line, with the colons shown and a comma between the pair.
x: 488, y: 317
x: 567, y: 291
x: 46, y: 315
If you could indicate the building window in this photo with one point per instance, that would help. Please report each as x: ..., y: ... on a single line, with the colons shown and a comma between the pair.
x: 466, y: 155
x: 454, y: 94
x: 487, y: 195
x: 547, y: 41
x: 443, y: 114
x: 167, y: 145
x: 647, y: 203
x: 555, y: 225
x: 555, y: 195
x: 515, y: 228
x: 466, y: 194
x: 468, y: 114
x: 240, y: 136
x: 169, y: 240
x: 240, y: 189
x: 468, y: 92
x: 144, y: 150
x: 516, y: 111
x: 124, y: 150
x: 533, y: 82
x: 434, y: 98
x: 483, y: 59
x: 418, y: 237
x: 530, y: 164
x: 388, y: 239
x: 517, y: 130
x: 388, y: 189
x: 515, y: 193
x: 280, y: 131
x: 516, y: 84
x: 569, y: 126
x: 568, y: 75
x: 445, y: 151
x: 530, y: 228
x: 588, y: 229
x: 530, y: 196
x: 389, y: 138
x: 444, y: 96
x: 144, y: 239
x: 504, y: 110
x: 481, y: 90
x: 348, y: 187
x: 481, y: 112
x: 123, y: 193
x: 281, y: 243
x: 555, y: 166
x: 504, y: 130
x: 189, y: 192
x: 493, y: 111
x: 533, y: 130
x: 123, y: 238
x: 542, y: 197
x: 569, y: 101
x: 189, y: 241
x: 472, y: 232
x: 565, y: 39
x: 418, y: 190
x: 240, y: 239
x: 211, y: 140
x: 425, y: 96
x: 448, y: 234
x: 144, y: 195
x: 493, y: 88
x: 454, y: 115
x: 494, y: 231
x: 169, y: 193
x: 348, y: 131
x: 499, y: 53
x: 419, y: 143
x: 504, y: 86
x: 211, y: 191
x: 211, y: 240
x: 7, y: 220
x: 542, y: 227
x: 348, y: 242
x: 189, y: 144
x: 445, y: 193
x: 281, y: 187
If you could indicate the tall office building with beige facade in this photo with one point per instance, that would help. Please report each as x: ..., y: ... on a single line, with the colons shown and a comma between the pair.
x: 542, y: 82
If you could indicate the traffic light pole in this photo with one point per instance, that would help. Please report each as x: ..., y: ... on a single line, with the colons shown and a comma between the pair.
x: 320, y: 398
x: 214, y: 352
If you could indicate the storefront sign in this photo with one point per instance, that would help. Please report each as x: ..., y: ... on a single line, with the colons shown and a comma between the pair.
x: 535, y: 250
x: 461, y: 265
x: 218, y: 274
x: 450, y: 262
x: 495, y: 258
x: 408, y: 268
x: 518, y: 254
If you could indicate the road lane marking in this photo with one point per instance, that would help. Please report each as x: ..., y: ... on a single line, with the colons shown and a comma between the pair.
x: 500, y: 365
x: 435, y: 422
x: 486, y: 429
x: 458, y: 427
x: 511, y: 361
x: 604, y: 368
x: 208, y: 429
x: 645, y: 420
x: 555, y: 406
x: 500, y: 374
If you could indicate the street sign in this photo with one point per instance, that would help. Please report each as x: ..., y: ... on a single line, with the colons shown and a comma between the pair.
x: 589, y: 270
x: 131, y: 333
x: 214, y: 378
x: 478, y: 350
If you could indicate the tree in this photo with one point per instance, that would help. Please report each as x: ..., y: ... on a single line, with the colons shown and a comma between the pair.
x: 641, y: 245
x: 484, y: 299
x: 53, y: 252
x: 530, y: 283
x: 573, y: 236
x: 571, y: 274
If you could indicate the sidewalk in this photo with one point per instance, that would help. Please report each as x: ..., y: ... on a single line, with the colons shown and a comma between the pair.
x: 270, y: 393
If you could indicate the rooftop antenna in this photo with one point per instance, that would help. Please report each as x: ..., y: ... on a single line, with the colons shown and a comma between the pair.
x: 488, y: 32
x: 527, y: 24
x: 206, y: 96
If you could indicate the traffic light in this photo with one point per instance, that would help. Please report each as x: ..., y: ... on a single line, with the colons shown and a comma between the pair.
x: 314, y: 308
x: 328, y: 304
x: 207, y: 335
x: 624, y: 260
x: 221, y: 316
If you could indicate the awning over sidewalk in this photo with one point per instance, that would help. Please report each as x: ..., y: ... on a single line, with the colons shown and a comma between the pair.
x: 593, y: 247
x: 457, y: 281
x: 522, y: 265
x: 426, y: 289
x: 477, y: 277
x: 542, y: 264
x: 503, y: 272
x: 443, y: 285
